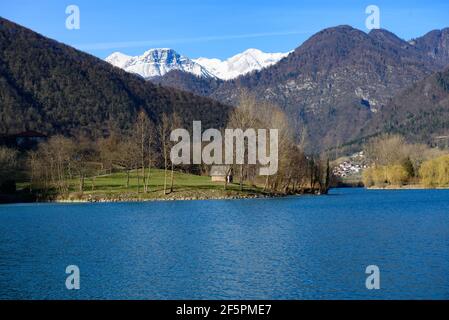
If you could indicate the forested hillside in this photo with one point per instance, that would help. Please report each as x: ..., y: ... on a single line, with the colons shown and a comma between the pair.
x: 335, y: 85
x: 420, y: 113
x: 52, y: 88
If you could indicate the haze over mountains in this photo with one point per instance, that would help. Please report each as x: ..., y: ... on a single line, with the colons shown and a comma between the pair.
x: 158, y: 62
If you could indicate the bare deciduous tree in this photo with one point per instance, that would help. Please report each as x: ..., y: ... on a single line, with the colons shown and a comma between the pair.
x: 144, y: 134
x: 176, y: 123
x: 83, y: 155
x: 292, y: 163
x: 244, y: 117
x: 127, y: 156
x: 164, y: 137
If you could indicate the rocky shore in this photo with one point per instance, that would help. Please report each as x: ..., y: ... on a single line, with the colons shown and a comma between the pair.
x: 176, y: 196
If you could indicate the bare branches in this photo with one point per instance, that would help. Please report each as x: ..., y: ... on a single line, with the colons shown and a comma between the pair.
x: 295, y: 173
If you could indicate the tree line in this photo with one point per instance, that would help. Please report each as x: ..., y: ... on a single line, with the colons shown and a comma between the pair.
x: 297, y: 172
x: 395, y: 162
x: 61, y: 162
x: 61, y: 159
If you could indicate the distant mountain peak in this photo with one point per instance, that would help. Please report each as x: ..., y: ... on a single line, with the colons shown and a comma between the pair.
x: 338, y: 29
x: 118, y: 59
x: 435, y: 44
x: 343, y: 35
x: 383, y: 34
x: 159, y: 61
x: 243, y: 63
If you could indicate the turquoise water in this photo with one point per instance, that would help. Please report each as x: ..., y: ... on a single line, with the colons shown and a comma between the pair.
x: 290, y: 248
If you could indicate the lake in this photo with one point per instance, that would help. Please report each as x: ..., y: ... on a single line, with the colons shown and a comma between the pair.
x: 305, y: 247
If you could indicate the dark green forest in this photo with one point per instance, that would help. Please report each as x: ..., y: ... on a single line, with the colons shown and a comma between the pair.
x: 52, y: 88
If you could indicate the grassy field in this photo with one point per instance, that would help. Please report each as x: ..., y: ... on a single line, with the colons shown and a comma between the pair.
x: 186, y: 186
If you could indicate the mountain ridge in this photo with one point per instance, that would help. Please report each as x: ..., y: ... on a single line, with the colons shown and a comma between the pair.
x: 241, y: 64
x: 339, y: 86
x: 421, y: 112
x: 53, y: 88
x: 334, y: 83
x: 158, y: 62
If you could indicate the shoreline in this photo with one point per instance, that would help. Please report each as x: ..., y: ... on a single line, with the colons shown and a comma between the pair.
x: 408, y: 187
x: 17, y: 198
x: 161, y: 199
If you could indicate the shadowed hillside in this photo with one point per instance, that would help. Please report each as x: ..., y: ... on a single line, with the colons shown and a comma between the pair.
x: 52, y: 88
x: 337, y: 81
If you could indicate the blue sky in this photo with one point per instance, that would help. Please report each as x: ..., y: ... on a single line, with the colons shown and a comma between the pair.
x: 214, y: 28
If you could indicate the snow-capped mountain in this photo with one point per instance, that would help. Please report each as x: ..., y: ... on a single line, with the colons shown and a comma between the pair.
x: 157, y: 62
x: 119, y: 59
x: 240, y: 64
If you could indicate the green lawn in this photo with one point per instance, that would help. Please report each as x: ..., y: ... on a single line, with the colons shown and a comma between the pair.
x: 113, y: 186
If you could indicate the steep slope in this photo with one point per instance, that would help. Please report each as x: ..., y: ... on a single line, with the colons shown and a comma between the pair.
x: 188, y: 82
x: 336, y: 82
x: 421, y: 113
x: 435, y: 45
x: 52, y: 88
